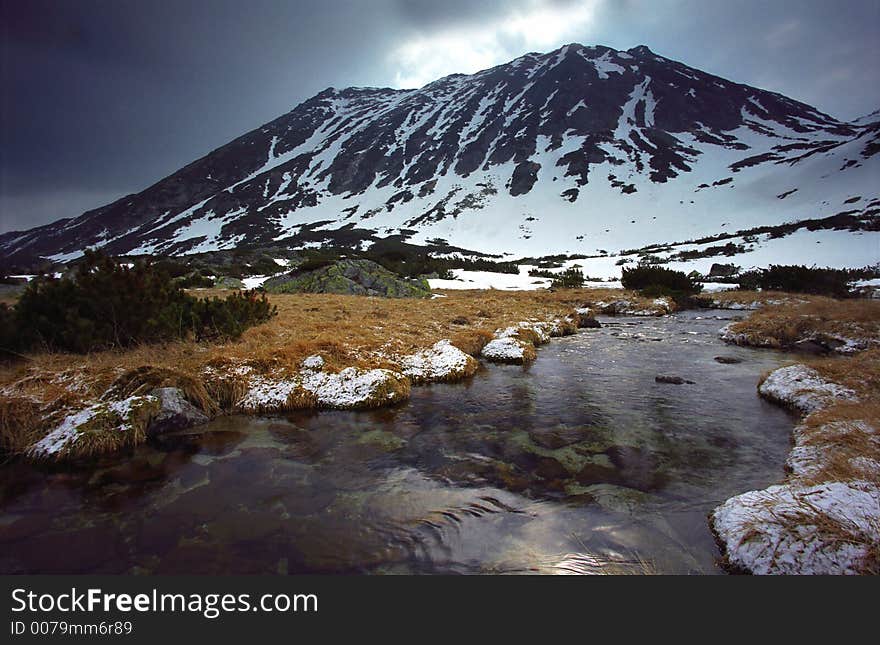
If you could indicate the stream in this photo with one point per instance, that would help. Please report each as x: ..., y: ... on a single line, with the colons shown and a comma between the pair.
x: 578, y: 463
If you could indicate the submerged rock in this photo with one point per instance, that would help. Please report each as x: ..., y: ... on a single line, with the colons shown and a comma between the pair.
x: 673, y: 380
x: 350, y: 277
x: 727, y: 360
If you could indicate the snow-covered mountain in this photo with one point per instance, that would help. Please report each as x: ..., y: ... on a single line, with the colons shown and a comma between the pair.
x: 576, y: 151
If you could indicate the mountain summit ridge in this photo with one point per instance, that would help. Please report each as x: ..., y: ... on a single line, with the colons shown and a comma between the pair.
x: 562, y: 152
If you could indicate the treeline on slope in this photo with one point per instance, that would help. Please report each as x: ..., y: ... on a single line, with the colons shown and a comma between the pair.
x: 103, y: 305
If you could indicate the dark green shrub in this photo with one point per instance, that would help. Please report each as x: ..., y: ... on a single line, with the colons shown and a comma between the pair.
x: 660, y: 281
x: 217, y: 319
x: 799, y: 279
x: 572, y: 278
x: 104, y: 305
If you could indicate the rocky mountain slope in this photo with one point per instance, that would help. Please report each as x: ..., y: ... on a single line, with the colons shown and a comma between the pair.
x: 581, y: 150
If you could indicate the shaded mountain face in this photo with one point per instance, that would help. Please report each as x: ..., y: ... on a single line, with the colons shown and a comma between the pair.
x: 581, y: 149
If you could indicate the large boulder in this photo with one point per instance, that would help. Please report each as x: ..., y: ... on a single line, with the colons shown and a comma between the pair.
x: 350, y: 277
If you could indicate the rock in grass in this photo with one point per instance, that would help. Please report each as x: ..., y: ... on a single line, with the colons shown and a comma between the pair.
x: 349, y: 277
x: 175, y: 413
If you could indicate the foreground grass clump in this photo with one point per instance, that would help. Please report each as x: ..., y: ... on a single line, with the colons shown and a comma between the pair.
x: 104, y: 304
x: 825, y: 517
x: 845, y: 326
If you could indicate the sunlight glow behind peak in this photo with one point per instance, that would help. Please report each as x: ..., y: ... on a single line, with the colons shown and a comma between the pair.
x: 468, y: 50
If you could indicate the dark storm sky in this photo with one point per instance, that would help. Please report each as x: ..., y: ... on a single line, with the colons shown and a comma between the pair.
x: 101, y: 98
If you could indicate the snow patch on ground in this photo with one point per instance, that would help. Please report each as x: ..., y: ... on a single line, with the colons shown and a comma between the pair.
x: 350, y: 389
x: 506, y: 350
x: 67, y: 432
x: 443, y: 361
x: 464, y: 279
x: 789, y: 529
x: 801, y: 387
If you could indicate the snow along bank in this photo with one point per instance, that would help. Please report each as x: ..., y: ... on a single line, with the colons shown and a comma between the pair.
x: 825, y: 519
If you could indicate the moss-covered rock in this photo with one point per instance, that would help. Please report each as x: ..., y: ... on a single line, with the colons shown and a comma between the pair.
x: 349, y: 277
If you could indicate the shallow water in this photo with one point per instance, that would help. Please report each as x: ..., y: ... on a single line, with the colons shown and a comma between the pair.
x: 580, y: 462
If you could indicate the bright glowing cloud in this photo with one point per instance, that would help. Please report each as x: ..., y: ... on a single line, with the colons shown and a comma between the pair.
x: 536, y: 26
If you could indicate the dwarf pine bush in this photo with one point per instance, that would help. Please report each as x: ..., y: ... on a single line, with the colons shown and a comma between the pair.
x: 659, y: 281
x: 103, y: 305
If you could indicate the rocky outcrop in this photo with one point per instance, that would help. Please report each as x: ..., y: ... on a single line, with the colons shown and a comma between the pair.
x: 348, y: 277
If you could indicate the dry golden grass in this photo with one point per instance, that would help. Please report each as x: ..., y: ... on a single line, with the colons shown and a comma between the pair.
x: 860, y: 372
x: 748, y: 297
x: 345, y: 330
x: 785, y: 324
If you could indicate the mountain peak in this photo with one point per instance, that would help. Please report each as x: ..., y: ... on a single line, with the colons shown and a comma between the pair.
x: 549, y: 153
x: 640, y: 50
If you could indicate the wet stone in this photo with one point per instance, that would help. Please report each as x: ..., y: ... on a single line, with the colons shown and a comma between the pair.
x: 242, y: 526
x: 198, y: 558
x: 673, y: 380
x: 549, y: 468
x: 202, y: 503
x: 217, y: 442
x: 637, y: 468
x: 597, y: 474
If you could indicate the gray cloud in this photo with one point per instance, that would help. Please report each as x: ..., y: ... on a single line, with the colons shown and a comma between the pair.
x: 104, y: 97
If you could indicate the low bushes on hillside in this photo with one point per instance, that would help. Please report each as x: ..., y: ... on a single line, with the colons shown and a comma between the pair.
x: 798, y: 279
x: 659, y: 281
x: 572, y: 278
x: 104, y: 305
